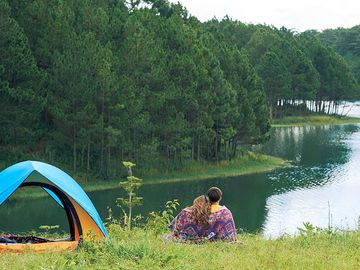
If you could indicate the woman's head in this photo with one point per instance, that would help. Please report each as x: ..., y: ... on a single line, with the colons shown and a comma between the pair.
x: 201, y: 210
x: 214, y: 194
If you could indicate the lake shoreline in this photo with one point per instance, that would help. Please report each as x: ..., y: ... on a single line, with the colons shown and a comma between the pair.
x: 314, y: 120
x: 251, y: 163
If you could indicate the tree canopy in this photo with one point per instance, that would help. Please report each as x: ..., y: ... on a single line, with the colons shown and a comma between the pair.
x: 91, y: 83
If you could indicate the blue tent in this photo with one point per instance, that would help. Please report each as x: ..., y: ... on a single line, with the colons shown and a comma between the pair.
x: 80, y: 211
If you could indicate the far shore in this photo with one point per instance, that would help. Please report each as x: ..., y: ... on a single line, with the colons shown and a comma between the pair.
x: 312, y: 120
x: 251, y: 163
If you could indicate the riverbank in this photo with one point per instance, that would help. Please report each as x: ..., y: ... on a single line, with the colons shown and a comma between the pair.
x: 141, y: 249
x: 313, y: 120
x: 249, y: 163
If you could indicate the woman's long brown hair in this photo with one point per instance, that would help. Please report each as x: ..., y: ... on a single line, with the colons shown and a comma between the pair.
x: 200, y: 210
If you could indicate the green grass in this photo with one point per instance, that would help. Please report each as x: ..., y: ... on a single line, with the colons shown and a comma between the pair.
x: 140, y: 249
x: 249, y: 163
x: 313, y: 120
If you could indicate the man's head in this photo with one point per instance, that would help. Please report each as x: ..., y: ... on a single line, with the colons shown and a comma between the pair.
x: 214, y: 194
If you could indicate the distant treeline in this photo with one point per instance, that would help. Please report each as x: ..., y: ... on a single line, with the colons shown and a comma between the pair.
x: 346, y: 42
x: 92, y: 83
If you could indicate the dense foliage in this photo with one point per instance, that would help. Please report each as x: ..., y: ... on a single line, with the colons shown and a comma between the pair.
x: 295, y: 68
x: 346, y: 42
x: 90, y: 83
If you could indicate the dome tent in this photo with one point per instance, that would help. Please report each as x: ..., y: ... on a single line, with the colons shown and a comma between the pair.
x: 84, y: 220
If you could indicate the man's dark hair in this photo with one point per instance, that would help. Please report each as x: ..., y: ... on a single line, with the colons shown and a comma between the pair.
x: 214, y: 194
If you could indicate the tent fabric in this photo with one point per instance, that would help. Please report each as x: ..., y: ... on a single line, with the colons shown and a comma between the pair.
x: 12, y: 177
x: 41, y: 247
x: 53, y: 195
x: 87, y: 224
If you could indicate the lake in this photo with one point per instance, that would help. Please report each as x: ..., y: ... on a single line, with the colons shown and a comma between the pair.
x: 322, y: 187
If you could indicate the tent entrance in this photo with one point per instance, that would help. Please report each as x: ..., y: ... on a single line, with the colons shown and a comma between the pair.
x: 62, y: 200
x: 30, y: 212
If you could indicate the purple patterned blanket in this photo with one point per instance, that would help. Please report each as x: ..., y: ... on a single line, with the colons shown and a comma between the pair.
x: 221, y: 227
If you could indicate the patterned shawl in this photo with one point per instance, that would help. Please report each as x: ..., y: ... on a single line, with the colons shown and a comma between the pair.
x: 221, y: 227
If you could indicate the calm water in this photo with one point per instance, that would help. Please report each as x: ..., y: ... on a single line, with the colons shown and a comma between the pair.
x: 323, y: 186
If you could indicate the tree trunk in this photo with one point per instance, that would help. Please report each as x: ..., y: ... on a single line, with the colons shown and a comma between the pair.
x: 109, y: 162
x: 88, y: 161
x: 74, y: 150
x: 329, y: 107
x: 102, y: 155
x: 234, y: 147
x: 130, y: 199
x: 323, y: 106
x: 198, y: 149
x: 225, y: 145
x: 216, y: 147
x: 130, y: 210
x: 102, y: 132
x: 193, y: 148
x: 82, y: 156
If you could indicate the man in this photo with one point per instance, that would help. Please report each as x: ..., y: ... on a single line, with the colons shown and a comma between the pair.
x: 215, y: 196
x: 221, y: 221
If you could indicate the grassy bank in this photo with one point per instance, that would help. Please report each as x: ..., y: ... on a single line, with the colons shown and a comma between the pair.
x: 142, y: 249
x: 313, y: 120
x: 248, y: 164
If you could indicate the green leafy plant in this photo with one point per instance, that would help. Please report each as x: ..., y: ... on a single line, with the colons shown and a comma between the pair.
x: 311, y: 230
x: 159, y: 221
x: 131, y: 184
x: 308, y: 230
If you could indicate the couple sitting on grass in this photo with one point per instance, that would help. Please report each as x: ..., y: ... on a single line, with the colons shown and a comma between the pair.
x: 204, y: 221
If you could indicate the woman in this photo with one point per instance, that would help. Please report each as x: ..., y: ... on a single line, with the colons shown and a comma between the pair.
x: 192, y: 223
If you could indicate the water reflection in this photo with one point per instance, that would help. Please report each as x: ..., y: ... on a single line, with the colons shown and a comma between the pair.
x: 335, y: 205
x: 324, y: 172
x: 328, y: 195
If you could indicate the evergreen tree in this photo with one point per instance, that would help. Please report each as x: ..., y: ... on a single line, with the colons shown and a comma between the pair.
x: 21, y: 91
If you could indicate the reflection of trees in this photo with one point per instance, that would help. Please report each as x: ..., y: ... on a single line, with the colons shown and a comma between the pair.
x: 315, y: 151
x: 310, y: 145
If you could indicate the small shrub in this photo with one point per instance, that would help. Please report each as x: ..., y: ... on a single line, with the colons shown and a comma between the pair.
x: 131, y: 184
x: 159, y: 221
